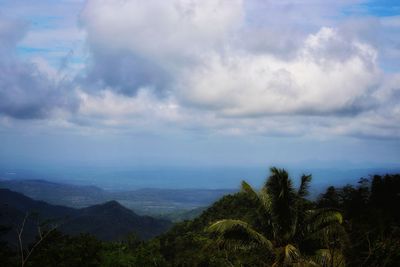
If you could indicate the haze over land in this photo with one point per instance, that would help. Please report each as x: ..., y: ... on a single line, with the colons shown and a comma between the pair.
x: 184, y: 177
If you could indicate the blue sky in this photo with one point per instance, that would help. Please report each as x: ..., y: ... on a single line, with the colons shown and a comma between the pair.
x: 200, y: 83
x: 382, y: 8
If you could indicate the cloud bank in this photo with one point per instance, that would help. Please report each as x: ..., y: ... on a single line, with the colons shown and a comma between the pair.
x: 225, y: 67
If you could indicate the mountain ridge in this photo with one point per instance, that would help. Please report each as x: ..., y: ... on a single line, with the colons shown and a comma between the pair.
x: 145, y: 201
x: 106, y: 221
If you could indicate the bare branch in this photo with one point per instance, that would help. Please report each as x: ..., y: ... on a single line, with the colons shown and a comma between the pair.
x: 19, y: 234
x: 42, y: 237
x: 26, y: 253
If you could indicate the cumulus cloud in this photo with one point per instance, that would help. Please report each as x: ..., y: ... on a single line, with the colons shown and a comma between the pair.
x: 381, y: 33
x: 147, y: 42
x: 230, y: 67
x: 170, y: 29
x: 25, y: 91
x: 328, y: 75
x: 239, y: 66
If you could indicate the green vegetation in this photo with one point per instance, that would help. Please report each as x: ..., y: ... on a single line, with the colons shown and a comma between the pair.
x: 276, y: 226
x: 292, y: 231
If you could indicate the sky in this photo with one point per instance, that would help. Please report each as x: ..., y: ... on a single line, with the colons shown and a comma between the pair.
x: 129, y: 83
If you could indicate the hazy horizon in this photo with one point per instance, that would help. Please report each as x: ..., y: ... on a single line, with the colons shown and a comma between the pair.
x: 186, y: 177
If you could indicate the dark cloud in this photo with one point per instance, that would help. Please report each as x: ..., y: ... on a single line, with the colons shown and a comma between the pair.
x: 125, y: 72
x: 25, y: 91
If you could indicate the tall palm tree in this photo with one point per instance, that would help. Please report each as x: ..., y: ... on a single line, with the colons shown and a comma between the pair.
x: 289, y: 224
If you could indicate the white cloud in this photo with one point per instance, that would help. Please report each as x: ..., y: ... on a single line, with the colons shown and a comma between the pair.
x: 147, y: 43
x: 328, y: 75
x: 161, y: 29
x: 237, y: 67
x: 109, y: 104
x: 232, y: 67
x: 143, y: 112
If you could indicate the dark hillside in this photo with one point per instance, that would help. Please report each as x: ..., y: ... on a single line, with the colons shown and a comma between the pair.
x: 108, y: 221
x: 112, y: 221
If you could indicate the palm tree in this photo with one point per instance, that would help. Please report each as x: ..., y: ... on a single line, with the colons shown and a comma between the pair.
x: 289, y: 224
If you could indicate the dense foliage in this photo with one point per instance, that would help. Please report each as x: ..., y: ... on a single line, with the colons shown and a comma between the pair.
x: 370, y: 219
x: 292, y: 230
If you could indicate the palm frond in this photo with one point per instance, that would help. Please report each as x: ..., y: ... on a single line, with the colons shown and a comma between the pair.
x: 326, y: 257
x: 285, y: 215
x: 239, y: 231
x: 279, y: 185
x: 291, y: 254
x: 283, y: 198
x: 330, y: 235
x: 265, y: 199
x: 304, y: 185
x: 287, y: 255
x: 246, y: 188
x: 262, y: 197
x: 321, y: 218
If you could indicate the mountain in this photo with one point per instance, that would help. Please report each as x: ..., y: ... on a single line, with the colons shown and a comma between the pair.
x: 108, y: 221
x: 111, y: 221
x: 76, y: 196
x: 148, y: 201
